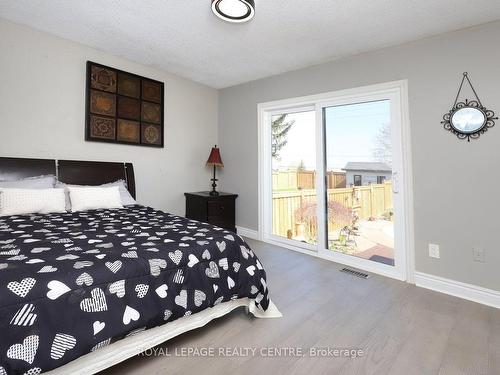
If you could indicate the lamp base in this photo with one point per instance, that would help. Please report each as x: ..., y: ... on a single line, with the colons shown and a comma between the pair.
x: 214, y: 193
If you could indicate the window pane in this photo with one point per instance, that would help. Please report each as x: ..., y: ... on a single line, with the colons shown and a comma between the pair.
x: 294, y: 176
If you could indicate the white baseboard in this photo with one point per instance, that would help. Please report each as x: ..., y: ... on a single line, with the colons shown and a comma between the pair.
x: 249, y: 233
x: 458, y: 289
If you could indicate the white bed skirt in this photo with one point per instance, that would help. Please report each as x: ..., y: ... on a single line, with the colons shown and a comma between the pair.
x: 130, y: 346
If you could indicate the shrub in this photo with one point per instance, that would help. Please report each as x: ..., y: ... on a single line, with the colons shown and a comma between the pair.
x: 337, y: 213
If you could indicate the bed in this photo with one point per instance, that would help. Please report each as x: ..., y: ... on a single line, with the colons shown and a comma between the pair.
x: 82, y: 291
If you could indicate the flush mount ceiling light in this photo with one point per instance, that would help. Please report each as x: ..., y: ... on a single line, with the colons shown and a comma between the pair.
x: 234, y: 10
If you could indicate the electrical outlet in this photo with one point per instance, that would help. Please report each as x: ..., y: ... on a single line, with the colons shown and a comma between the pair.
x: 434, y: 250
x: 478, y: 255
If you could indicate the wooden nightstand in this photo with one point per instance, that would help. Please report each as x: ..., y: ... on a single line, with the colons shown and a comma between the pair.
x: 217, y: 210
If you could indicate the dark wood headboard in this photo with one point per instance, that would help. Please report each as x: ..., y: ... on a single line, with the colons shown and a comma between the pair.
x: 14, y: 168
x: 76, y: 172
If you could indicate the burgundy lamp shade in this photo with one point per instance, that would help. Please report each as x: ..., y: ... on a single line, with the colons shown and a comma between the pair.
x: 214, y: 159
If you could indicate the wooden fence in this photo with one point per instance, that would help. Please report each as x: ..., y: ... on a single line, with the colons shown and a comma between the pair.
x: 292, y: 208
x: 291, y: 180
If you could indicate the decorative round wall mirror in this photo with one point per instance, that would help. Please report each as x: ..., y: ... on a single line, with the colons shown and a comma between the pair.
x: 468, y: 119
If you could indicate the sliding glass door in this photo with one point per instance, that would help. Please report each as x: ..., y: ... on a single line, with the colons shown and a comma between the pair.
x: 358, y: 147
x: 331, y: 177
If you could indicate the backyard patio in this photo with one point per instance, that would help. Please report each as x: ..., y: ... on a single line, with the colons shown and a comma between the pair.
x: 374, y: 240
x: 359, y: 219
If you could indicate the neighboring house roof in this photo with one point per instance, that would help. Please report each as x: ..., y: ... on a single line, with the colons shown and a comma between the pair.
x: 367, y: 166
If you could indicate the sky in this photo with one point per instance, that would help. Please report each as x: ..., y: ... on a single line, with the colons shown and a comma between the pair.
x: 351, y: 131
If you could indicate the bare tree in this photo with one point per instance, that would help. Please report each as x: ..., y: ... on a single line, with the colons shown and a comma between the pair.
x: 383, y: 145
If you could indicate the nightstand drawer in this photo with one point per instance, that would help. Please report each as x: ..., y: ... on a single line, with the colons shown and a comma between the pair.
x: 220, y: 207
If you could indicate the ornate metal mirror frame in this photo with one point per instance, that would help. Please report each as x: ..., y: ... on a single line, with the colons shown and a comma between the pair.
x: 468, y: 119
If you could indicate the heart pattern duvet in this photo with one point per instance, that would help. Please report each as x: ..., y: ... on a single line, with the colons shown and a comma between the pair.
x: 115, y: 272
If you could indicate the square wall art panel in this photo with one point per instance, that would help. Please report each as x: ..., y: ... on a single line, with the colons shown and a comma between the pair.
x: 123, y: 107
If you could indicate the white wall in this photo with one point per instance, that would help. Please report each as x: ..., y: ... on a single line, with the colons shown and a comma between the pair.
x: 457, y: 200
x: 42, y: 115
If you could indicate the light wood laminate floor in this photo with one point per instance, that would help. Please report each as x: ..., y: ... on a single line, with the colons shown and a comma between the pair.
x: 402, y: 329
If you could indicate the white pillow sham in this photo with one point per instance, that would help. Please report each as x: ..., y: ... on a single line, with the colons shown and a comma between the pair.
x: 30, y: 201
x: 91, y: 198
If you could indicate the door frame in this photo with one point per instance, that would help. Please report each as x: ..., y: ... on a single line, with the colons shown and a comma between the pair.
x: 397, y: 90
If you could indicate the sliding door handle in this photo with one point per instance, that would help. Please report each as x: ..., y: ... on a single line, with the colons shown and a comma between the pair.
x: 395, y: 182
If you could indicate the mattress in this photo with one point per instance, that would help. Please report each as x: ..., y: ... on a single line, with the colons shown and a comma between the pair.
x: 73, y: 283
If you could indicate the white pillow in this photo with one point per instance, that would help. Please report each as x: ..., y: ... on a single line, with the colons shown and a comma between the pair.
x: 91, y: 198
x: 126, y: 198
x: 28, y: 201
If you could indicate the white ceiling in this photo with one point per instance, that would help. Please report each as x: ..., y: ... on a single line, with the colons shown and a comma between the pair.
x: 185, y: 38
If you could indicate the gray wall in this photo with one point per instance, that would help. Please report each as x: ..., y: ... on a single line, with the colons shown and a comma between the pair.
x: 42, y: 115
x: 456, y: 213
